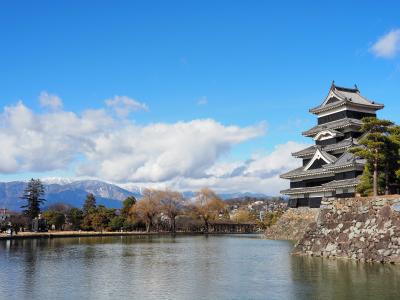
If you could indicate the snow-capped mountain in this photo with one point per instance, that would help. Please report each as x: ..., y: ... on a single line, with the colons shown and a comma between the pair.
x: 57, y: 180
x: 225, y: 196
x: 72, y: 192
x: 131, y: 187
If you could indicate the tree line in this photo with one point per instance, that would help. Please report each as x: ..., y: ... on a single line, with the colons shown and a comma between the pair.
x: 157, y: 210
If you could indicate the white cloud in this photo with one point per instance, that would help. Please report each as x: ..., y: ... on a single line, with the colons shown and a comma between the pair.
x: 160, y: 152
x: 49, y: 100
x: 49, y: 141
x: 113, y: 149
x: 123, y: 105
x: 278, y: 161
x: 202, y: 100
x: 259, y: 174
x: 181, y: 155
x: 388, y: 45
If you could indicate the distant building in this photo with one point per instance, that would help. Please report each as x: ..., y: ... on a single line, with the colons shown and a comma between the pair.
x: 4, y: 214
x: 328, y: 169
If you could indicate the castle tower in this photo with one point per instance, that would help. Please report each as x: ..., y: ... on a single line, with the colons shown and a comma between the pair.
x: 328, y: 169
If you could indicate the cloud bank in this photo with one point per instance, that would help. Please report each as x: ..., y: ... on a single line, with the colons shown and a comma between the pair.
x: 258, y: 174
x: 101, y: 144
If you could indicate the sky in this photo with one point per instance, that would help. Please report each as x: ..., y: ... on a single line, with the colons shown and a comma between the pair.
x: 182, y: 94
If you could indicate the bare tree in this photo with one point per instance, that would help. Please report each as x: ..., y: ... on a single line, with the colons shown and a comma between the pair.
x: 208, y: 206
x: 243, y: 216
x: 171, y: 205
x: 147, y: 208
x: 60, y: 207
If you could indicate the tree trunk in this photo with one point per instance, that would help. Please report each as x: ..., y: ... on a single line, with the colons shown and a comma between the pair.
x: 173, y: 225
x: 206, y: 226
x: 148, y: 227
x: 375, y: 178
x: 387, y: 178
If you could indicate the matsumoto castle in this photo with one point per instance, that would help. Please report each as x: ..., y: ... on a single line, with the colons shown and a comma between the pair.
x: 328, y: 169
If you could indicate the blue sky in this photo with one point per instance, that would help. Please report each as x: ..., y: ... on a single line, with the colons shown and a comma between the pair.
x: 238, y: 63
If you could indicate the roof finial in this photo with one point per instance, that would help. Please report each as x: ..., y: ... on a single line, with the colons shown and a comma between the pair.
x: 333, y: 84
x: 355, y: 86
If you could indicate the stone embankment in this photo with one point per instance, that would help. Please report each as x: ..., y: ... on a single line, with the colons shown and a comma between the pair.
x: 292, y: 224
x: 364, y: 229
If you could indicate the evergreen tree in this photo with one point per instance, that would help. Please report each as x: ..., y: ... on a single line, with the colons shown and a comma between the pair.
x: 33, y: 194
x: 55, y: 218
x: 116, y: 223
x: 365, y: 185
x: 75, y: 217
x: 373, y: 145
x: 100, y: 217
x: 126, y: 205
x: 395, y: 139
x: 390, y: 163
x: 90, y: 203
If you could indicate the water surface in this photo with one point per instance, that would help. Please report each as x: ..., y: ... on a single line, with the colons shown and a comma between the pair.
x: 183, y: 267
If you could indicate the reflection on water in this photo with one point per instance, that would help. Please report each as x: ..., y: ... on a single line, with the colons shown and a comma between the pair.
x: 183, y: 267
x: 343, y: 279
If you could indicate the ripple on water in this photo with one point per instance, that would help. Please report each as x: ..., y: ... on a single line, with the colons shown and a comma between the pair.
x: 183, y: 267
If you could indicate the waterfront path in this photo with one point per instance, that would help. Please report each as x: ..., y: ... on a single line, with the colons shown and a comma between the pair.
x: 55, y: 234
x: 64, y: 234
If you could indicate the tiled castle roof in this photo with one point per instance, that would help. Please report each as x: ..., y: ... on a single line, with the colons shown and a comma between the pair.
x: 342, y: 123
x: 342, y: 183
x: 347, y: 159
x: 339, y: 96
x: 300, y: 172
x: 344, y: 144
x: 330, y: 186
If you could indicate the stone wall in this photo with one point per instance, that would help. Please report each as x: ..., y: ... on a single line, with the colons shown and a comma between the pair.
x: 292, y: 224
x: 364, y: 229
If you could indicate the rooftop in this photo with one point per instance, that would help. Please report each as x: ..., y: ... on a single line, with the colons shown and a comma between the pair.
x: 339, y: 96
x: 330, y: 186
x: 345, y: 160
x: 342, y: 183
x: 342, y: 123
x: 344, y: 144
x: 300, y: 172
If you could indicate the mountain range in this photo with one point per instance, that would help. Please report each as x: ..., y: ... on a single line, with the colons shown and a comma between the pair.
x: 73, y: 192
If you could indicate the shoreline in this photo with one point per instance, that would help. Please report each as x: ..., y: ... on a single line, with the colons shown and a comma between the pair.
x: 71, y: 234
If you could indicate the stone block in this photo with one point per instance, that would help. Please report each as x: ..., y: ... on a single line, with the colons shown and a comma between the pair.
x: 387, y: 252
x: 385, y: 213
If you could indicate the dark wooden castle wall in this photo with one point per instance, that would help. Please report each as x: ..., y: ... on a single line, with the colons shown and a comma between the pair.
x: 344, y: 114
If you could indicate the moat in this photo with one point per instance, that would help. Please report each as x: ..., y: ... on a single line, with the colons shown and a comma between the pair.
x: 183, y: 267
